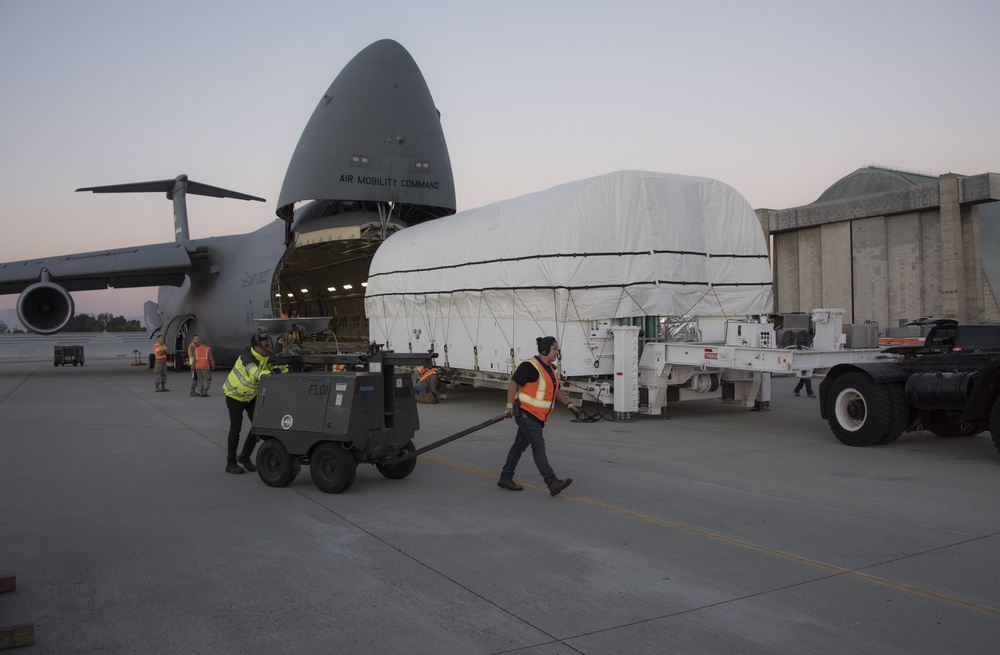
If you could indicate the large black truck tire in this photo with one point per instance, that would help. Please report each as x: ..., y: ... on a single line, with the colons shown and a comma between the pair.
x: 862, y: 412
x: 332, y: 467
x: 995, y: 423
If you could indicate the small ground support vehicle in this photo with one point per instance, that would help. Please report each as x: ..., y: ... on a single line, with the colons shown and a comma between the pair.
x: 334, y: 420
x: 68, y: 355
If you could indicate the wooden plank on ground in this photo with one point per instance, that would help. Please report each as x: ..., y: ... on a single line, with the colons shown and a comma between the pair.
x: 16, y: 636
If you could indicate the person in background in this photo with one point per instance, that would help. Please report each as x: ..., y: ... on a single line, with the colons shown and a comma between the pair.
x: 160, y: 364
x: 426, y: 384
x: 531, y: 394
x: 194, y: 376
x: 204, y: 363
x: 808, y: 383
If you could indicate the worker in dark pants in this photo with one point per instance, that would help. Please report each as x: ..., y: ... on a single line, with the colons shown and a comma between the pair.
x: 807, y: 383
x: 192, y: 347
x: 241, y: 396
x: 535, y: 387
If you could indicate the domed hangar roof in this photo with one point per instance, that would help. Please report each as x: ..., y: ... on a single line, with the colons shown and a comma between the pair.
x: 871, y: 179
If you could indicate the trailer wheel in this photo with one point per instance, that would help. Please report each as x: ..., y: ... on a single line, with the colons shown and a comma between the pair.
x: 899, y: 415
x: 862, y: 412
x: 274, y: 465
x: 401, y: 470
x: 332, y: 467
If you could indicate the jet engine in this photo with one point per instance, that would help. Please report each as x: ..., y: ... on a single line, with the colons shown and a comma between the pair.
x: 44, y: 308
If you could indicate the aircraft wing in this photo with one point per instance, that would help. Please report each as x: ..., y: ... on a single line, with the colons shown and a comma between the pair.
x: 141, y: 266
x: 45, y: 305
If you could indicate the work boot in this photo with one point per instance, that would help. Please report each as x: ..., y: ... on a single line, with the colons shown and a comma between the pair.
x: 796, y: 394
x: 233, y: 468
x: 193, y: 394
x: 812, y: 395
x: 245, y: 462
x: 510, y: 485
x: 559, y: 485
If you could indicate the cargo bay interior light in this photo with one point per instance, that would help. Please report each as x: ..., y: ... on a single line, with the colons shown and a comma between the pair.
x: 348, y: 286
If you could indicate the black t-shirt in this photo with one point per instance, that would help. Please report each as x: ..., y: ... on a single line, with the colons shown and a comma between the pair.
x: 526, y: 373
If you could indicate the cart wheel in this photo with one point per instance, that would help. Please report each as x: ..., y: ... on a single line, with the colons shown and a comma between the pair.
x: 401, y: 470
x: 332, y: 467
x: 274, y: 464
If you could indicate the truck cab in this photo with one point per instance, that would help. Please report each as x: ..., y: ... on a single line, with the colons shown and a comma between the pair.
x: 949, y: 385
x: 965, y: 338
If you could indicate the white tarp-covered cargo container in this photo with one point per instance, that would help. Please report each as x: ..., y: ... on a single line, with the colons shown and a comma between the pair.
x: 478, y: 287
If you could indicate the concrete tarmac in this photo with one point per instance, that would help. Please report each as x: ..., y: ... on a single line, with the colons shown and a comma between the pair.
x: 716, y: 530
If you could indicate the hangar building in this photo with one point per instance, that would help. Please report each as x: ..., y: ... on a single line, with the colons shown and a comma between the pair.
x: 891, y: 246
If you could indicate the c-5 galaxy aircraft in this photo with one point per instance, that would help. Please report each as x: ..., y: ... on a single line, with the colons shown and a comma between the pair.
x: 371, y: 160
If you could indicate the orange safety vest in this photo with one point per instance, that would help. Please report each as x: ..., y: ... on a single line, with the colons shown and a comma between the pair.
x: 426, y: 372
x: 201, y: 357
x: 160, y: 351
x: 538, y: 397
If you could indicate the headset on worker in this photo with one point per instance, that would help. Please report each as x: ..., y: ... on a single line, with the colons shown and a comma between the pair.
x: 545, y: 344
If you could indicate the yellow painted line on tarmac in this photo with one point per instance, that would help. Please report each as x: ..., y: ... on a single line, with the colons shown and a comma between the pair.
x: 738, y: 543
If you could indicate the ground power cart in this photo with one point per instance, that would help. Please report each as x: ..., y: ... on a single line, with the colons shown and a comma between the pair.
x: 334, y: 421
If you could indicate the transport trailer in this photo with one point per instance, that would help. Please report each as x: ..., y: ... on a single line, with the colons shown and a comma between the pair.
x: 335, y: 420
x: 642, y: 369
x: 658, y: 288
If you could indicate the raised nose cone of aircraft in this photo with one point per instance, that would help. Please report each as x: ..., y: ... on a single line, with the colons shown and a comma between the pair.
x: 375, y: 138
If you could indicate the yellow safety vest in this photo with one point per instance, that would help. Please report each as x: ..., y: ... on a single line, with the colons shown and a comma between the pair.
x: 245, y: 377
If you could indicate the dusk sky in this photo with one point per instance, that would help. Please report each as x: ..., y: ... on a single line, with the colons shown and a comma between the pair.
x: 777, y: 99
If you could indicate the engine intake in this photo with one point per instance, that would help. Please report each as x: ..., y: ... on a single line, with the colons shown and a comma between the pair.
x: 45, y: 308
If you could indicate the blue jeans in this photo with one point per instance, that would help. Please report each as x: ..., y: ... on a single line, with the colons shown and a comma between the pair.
x: 430, y: 384
x: 529, y: 433
x: 807, y: 383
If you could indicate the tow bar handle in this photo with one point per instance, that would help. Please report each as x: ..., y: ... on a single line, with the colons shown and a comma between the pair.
x: 458, y: 435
